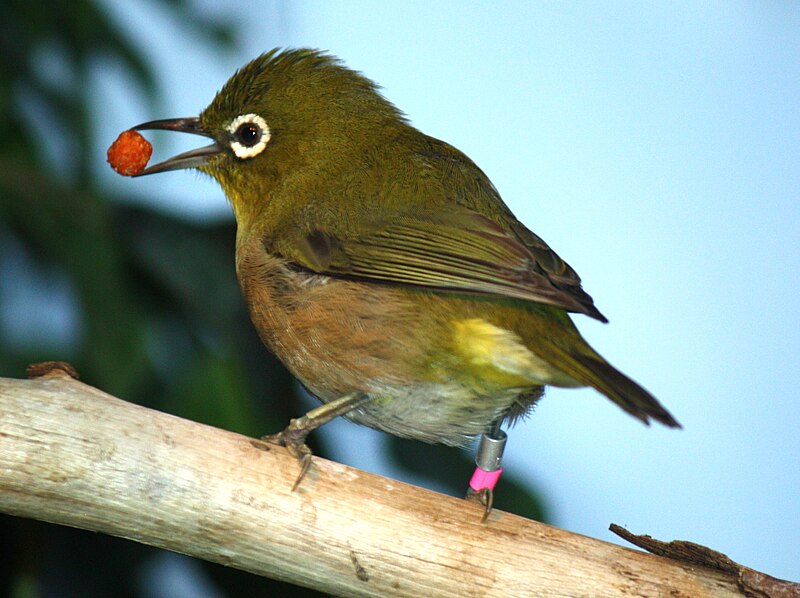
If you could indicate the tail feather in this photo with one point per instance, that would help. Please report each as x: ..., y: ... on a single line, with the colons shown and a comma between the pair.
x: 622, y: 390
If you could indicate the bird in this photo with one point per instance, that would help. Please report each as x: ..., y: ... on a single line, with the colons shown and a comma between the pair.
x: 382, y: 267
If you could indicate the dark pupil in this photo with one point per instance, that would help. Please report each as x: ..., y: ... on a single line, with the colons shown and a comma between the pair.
x: 248, y: 134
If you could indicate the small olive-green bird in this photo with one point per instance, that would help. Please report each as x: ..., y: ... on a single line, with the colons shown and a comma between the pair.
x: 381, y: 265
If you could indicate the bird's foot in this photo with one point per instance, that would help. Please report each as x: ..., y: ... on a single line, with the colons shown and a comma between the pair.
x: 294, y: 439
x: 295, y: 434
x: 484, y: 497
x: 487, y: 459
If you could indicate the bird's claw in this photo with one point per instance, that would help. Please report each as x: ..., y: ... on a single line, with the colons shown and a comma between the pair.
x: 294, y: 441
x: 305, y: 464
x: 295, y: 434
x: 484, y: 497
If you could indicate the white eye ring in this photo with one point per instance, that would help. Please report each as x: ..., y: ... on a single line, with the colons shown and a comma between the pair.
x: 243, y: 149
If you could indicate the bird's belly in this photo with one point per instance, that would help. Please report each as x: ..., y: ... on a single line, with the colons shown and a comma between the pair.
x: 438, y: 372
x: 419, y: 390
x: 451, y: 414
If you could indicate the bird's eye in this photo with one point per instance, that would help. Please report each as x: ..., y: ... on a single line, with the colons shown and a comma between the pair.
x: 249, y: 135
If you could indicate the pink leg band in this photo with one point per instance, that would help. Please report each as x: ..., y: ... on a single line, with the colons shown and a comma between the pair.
x: 484, y: 479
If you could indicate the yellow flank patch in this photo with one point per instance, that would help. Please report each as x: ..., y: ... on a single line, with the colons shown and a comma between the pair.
x: 485, y: 345
x: 498, y: 356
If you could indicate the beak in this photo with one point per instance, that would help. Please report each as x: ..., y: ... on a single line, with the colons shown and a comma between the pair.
x: 192, y: 159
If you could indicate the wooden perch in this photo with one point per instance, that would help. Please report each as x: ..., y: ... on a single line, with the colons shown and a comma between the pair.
x: 73, y: 455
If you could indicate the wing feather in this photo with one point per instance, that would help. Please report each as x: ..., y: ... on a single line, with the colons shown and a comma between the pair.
x: 457, y: 250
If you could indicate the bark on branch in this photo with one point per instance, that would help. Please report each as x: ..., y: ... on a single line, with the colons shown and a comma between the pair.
x: 73, y: 455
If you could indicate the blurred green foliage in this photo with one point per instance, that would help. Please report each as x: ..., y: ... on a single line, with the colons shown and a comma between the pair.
x: 156, y: 305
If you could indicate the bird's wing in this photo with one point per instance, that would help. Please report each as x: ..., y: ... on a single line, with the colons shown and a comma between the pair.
x: 455, y: 250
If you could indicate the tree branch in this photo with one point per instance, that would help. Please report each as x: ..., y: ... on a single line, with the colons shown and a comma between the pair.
x: 73, y: 455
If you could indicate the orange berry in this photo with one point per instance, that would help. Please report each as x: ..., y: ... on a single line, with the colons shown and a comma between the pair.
x: 129, y: 153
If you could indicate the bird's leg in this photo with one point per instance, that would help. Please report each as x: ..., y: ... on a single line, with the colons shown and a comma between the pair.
x: 487, y: 458
x: 295, y: 434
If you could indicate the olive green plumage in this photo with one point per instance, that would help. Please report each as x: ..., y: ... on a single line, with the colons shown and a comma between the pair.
x: 376, y: 259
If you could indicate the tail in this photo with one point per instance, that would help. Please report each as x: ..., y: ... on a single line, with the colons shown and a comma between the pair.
x: 631, y: 397
x: 553, y: 337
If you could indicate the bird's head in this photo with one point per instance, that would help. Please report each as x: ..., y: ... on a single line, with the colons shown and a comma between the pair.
x: 284, y: 116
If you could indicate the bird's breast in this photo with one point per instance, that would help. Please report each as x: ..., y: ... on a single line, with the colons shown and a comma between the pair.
x: 335, y: 335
